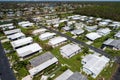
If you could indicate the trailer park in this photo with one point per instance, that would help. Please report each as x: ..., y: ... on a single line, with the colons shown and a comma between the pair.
x: 36, y: 52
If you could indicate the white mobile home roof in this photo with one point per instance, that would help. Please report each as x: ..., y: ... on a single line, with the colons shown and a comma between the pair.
x: 75, y: 18
x: 113, y: 25
x: 57, y: 40
x: 16, y: 35
x: 70, y: 22
x: 46, y: 35
x: 63, y: 20
x: 65, y: 75
x: 11, y: 27
x: 6, y: 25
x: 77, y: 76
x: 29, y: 49
x: 93, y: 36
x: 67, y: 28
x: 79, y: 25
x: 95, y: 63
x: 38, y: 31
x: 103, y: 31
x: 107, y: 42
x: 107, y: 20
x: 56, y: 25
x: 113, y: 43
x: 12, y: 31
x: 42, y: 66
x: 69, y: 49
x: 69, y: 75
x: 27, y: 24
x: 77, y: 31
x: 117, y: 34
x: 91, y: 18
x: 27, y: 78
x: 115, y: 22
x: 23, y: 22
x: 21, y: 42
x: 103, y: 23
x: 98, y: 19
x: 55, y: 21
x: 91, y: 28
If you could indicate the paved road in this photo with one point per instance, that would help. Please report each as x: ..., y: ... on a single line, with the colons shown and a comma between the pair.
x: 116, y: 76
x: 81, y: 43
x: 5, y: 72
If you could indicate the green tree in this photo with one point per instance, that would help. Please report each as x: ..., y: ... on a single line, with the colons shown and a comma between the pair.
x: 63, y: 68
x: 78, y: 58
x: 47, y: 47
x: 61, y: 25
x: 85, y: 50
x: 15, y: 22
x: 49, y: 78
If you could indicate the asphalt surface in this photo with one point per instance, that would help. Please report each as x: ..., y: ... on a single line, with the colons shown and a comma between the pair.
x: 81, y: 43
x: 116, y: 76
x: 6, y: 72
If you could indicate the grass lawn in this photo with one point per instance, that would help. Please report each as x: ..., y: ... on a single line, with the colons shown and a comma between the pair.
x: 7, y: 46
x: 69, y: 34
x: 36, y: 39
x: 82, y: 38
x: 1, y: 34
x: 36, y: 77
x: 22, y: 72
x: 112, y: 52
x: 97, y: 45
x: 28, y: 31
x: 17, y: 66
x: 72, y: 63
x: 108, y: 71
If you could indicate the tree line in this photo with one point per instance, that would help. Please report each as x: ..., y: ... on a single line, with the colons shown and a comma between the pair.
x: 103, y: 10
